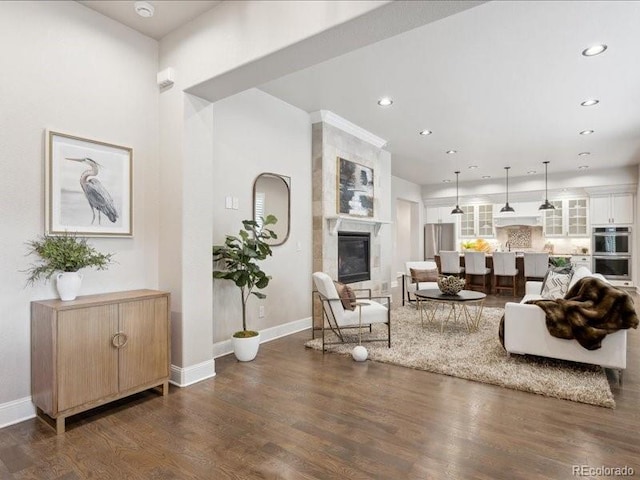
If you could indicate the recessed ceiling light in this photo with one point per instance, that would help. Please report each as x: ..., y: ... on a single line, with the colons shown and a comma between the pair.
x: 531, y: 172
x: 446, y: 180
x: 452, y: 151
x: 425, y: 132
x: 486, y: 176
x: 582, y: 167
x: 594, y: 50
x: 590, y: 102
x: 473, y: 167
x: 144, y: 9
x: 582, y: 154
x: 385, y: 102
x: 587, y: 132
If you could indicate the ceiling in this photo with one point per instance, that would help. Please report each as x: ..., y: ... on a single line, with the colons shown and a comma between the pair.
x: 168, y: 15
x: 500, y: 83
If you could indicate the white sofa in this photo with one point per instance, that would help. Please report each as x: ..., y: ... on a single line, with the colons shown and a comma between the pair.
x: 525, y: 332
x: 409, y: 288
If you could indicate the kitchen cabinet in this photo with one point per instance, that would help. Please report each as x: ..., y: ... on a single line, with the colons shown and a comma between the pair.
x: 569, y: 218
x: 581, y: 261
x: 476, y: 221
x: 615, y: 208
x: 440, y: 215
x: 96, y: 349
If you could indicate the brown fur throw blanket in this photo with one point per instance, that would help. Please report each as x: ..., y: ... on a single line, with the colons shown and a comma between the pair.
x: 589, y: 311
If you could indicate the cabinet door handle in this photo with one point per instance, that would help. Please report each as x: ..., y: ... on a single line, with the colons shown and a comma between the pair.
x: 119, y: 339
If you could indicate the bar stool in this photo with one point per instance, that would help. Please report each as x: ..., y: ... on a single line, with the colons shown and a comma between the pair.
x: 475, y: 263
x: 504, y: 265
x: 450, y: 263
x: 536, y: 265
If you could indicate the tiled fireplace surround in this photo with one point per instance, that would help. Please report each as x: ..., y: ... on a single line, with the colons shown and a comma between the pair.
x: 329, y: 143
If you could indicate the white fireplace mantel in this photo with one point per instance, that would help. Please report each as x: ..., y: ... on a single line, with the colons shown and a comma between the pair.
x: 335, y: 222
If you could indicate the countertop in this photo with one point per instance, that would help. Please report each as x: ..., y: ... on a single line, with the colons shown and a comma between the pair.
x: 557, y: 255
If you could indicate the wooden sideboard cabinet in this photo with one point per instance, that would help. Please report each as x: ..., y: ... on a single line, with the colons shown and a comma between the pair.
x: 96, y: 349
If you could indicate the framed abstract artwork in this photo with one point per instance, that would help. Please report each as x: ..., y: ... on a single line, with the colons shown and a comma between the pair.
x: 88, y: 187
x: 355, y: 188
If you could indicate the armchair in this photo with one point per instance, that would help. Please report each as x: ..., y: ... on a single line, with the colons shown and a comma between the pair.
x: 336, y: 318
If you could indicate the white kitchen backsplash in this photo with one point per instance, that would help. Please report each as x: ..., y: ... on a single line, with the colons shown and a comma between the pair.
x: 569, y: 245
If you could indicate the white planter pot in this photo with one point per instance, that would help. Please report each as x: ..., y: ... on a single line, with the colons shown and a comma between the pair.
x: 246, y: 349
x: 68, y: 284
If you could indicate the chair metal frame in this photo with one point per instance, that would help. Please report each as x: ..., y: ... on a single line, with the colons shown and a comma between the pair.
x: 328, y: 314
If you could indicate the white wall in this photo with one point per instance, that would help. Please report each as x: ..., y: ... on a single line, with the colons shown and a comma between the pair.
x: 254, y: 133
x: 407, y: 195
x: 70, y: 69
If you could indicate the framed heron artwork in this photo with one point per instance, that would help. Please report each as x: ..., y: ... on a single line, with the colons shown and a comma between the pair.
x: 88, y: 187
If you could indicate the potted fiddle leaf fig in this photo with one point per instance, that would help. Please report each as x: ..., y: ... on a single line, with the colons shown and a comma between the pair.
x: 63, y: 256
x: 239, y: 257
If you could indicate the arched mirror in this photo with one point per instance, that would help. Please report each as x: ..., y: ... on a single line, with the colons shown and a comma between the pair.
x: 272, y: 196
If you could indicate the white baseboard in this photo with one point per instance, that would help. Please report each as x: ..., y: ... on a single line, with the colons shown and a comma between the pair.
x: 16, y: 411
x: 224, y: 348
x: 183, y: 377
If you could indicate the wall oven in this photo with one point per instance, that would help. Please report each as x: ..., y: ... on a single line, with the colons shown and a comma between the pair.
x: 612, y: 252
x: 612, y: 241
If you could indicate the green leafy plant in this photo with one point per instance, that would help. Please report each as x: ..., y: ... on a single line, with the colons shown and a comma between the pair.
x: 64, y: 253
x: 240, y: 256
x: 559, y: 261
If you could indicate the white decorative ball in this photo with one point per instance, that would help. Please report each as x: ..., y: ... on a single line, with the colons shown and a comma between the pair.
x: 359, y: 353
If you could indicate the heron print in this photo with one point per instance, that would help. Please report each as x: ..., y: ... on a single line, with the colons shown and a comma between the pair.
x: 98, y: 197
x: 89, y: 187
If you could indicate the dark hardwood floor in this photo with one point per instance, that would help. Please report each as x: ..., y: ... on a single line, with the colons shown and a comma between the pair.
x: 295, y: 413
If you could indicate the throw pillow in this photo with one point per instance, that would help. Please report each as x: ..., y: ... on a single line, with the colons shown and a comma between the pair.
x: 346, y: 295
x: 556, y: 282
x: 429, y: 275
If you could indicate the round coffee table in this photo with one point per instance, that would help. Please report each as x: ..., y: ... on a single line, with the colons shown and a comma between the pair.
x: 428, y: 302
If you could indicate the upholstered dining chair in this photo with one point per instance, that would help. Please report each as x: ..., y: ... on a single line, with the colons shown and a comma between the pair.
x: 475, y: 264
x: 337, y: 318
x: 535, y: 265
x: 504, y: 265
x: 450, y: 263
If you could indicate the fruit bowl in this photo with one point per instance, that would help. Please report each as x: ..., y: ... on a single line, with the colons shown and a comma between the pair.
x: 450, y: 285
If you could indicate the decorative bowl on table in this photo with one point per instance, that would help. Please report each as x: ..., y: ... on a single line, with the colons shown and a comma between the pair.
x: 450, y: 285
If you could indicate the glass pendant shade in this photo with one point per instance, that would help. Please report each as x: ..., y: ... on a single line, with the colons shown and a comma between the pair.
x: 457, y: 210
x: 507, y: 208
x: 546, y: 205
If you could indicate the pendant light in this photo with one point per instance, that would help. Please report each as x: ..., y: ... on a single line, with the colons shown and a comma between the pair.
x: 546, y: 205
x: 507, y: 207
x: 457, y: 210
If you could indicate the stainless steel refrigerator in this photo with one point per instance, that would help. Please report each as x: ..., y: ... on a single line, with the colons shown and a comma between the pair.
x: 438, y: 236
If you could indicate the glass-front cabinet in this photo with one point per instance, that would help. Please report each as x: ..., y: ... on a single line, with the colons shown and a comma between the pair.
x: 570, y: 218
x: 577, y: 213
x: 476, y: 221
x: 553, y: 221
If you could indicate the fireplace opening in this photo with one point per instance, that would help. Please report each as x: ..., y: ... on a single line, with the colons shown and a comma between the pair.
x: 353, y: 257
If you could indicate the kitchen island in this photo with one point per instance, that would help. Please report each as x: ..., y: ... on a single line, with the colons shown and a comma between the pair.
x: 520, y: 280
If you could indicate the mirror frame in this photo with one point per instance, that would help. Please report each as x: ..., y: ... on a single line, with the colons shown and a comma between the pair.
x: 287, y: 182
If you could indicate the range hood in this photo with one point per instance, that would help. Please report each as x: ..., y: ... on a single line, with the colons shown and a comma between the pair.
x: 517, y: 220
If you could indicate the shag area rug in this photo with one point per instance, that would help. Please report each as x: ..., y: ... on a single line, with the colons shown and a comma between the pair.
x: 477, y: 356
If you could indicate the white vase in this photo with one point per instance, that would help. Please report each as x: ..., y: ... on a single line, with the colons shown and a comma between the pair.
x: 246, y: 349
x: 68, y: 284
